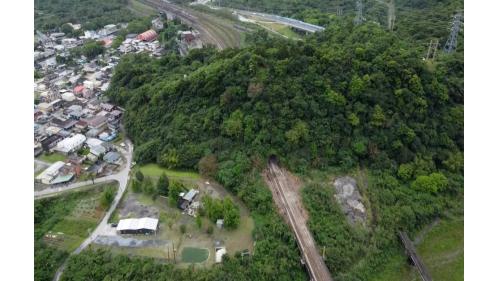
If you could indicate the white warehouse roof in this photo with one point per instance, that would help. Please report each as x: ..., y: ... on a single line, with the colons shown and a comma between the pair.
x: 93, y: 142
x: 136, y: 224
x: 71, y: 143
x: 49, y: 173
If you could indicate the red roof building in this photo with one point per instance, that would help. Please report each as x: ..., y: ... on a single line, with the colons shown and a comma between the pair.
x: 78, y: 89
x: 149, y: 35
x: 107, y: 42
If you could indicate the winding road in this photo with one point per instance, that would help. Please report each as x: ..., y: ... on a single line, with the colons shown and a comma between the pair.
x: 121, y: 177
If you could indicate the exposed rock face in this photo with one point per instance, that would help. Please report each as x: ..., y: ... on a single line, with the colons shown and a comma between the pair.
x: 349, y: 198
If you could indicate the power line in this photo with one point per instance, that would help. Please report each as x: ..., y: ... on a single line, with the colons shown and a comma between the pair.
x: 456, y: 26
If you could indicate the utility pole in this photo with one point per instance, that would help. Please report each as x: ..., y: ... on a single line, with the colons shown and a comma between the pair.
x: 173, y: 247
x: 340, y: 7
x: 456, y: 26
x: 359, y: 13
x: 432, y: 50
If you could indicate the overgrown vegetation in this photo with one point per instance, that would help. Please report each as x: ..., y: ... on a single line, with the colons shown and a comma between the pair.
x: 61, y: 224
x: 315, y: 103
x: 358, y: 253
x: 222, y: 209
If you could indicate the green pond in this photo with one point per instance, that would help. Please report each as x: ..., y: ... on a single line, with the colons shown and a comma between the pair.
x: 194, y: 255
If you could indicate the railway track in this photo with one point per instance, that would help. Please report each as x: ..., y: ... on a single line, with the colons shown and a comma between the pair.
x: 212, y: 32
x: 315, y: 265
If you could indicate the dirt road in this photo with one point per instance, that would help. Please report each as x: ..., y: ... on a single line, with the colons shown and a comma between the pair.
x: 286, y: 195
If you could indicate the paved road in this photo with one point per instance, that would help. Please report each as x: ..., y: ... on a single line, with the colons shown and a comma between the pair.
x: 122, y: 177
x: 115, y: 177
x: 283, y: 20
x: 289, y: 200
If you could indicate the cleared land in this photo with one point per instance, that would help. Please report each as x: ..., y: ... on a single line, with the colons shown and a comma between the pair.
x: 171, y: 219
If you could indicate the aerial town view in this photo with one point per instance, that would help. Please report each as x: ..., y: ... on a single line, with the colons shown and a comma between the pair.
x: 248, y: 140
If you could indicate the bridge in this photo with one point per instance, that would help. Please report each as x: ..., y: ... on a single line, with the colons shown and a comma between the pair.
x: 412, y: 254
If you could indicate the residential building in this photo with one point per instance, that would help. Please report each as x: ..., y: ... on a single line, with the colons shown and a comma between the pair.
x: 71, y: 144
x: 185, y: 199
x: 112, y: 157
x: 148, y: 36
x: 97, y: 122
x: 50, y: 142
x: 50, y: 173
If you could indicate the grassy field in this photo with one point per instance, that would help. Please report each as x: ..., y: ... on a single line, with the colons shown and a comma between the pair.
x: 281, y: 29
x: 442, y: 251
x: 61, y: 225
x: 52, y: 157
x: 71, y: 217
x: 154, y: 170
x: 140, y: 9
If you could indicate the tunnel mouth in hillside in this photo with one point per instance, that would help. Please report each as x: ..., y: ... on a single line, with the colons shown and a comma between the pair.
x: 273, y: 159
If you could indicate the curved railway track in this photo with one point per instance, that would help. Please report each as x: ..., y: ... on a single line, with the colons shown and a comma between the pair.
x: 213, y: 31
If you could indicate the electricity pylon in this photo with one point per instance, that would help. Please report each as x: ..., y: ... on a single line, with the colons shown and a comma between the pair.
x: 456, y: 26
x: 432, y: 50
x: 359, y: 13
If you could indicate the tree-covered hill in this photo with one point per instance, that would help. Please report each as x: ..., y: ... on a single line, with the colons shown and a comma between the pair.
x: 346, y: 96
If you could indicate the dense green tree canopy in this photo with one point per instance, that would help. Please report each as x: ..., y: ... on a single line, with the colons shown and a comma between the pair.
x: 92, y: 14
x: 319, y: 102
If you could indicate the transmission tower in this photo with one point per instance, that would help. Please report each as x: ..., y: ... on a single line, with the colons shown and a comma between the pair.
x: 456, y: 26
x: 340, y: 11
x: 391, y: 24
x: 359, y: 13
x: 432, y: 50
